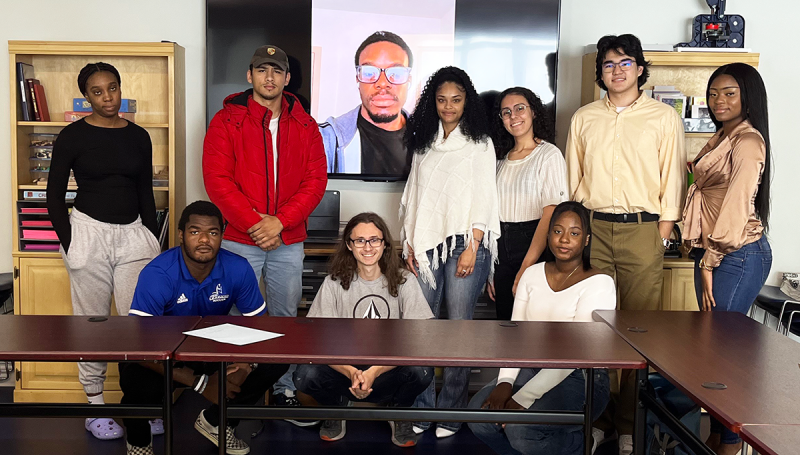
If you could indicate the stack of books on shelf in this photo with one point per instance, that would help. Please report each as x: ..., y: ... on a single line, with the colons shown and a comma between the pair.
x: 692, y: 109
x: 33, y: 101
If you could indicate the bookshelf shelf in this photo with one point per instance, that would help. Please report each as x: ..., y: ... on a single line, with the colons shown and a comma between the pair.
x: 63, y: 124
x: 159, y: 189
x: 151, y: 73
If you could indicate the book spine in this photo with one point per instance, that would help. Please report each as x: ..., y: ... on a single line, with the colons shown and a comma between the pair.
x: 32, y: 91
x: 41, y: 103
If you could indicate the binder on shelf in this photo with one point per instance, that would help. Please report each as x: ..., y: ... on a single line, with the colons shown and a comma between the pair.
x: 25, y: 71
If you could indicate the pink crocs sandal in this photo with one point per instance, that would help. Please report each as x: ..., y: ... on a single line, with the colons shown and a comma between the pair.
x: 156, y: 427
x: 104, y: 429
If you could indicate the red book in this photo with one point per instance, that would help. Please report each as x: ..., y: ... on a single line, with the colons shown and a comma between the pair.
x: 31, y: 83
x: 41, y: 103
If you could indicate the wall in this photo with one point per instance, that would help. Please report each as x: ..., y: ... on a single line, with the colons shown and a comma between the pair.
x: 582, y: 22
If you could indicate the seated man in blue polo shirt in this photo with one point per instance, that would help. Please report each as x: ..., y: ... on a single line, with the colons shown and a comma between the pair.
x: 196, y: 279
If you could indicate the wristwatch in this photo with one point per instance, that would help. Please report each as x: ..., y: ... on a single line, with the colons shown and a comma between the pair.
x: 666, y: 242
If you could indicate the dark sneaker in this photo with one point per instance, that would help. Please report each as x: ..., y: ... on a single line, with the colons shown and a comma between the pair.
x: 403, y: 434
x: 283, y: 400
x: 332, y: 430
x: 134, y: 450
x: 233, y: 445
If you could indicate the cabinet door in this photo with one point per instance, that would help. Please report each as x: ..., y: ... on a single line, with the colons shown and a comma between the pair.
x: 684, y: 297
x: 666, y: 290
x: 44, y: 289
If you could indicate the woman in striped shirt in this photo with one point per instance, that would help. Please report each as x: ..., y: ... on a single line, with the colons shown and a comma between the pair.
x: 531, y: 181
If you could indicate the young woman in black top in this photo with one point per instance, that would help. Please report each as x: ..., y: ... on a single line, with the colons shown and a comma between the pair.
x: 110, y: 234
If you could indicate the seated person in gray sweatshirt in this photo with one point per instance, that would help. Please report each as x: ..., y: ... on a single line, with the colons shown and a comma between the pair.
x: 367, y: 281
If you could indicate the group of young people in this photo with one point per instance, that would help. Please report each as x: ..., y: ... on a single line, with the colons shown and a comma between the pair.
x: 489, y: 200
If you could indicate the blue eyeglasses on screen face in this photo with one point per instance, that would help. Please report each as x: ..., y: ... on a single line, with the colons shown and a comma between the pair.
x: 396, y: 75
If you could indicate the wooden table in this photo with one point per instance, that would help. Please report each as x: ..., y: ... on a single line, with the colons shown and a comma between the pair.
x: 423, y: 343
x: 112, y: 339
x: 759, y: 367
x: 773, y: 439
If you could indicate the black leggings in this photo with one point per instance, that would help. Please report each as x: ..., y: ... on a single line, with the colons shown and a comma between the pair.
x: 515, y: 239
x: 144, y: 386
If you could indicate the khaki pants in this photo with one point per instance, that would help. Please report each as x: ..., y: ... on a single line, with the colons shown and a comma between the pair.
x: 632, y: 254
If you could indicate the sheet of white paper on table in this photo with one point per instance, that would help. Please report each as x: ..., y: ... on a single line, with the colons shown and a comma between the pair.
x: 233, y: 334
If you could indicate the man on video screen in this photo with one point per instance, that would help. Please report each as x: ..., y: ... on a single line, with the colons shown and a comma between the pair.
x: 369, y: 139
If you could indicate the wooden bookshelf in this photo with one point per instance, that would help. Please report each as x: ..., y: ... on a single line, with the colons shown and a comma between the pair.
x: 152, y: 74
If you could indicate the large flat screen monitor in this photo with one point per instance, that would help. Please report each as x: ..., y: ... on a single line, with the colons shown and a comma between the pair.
x: 500, y: 44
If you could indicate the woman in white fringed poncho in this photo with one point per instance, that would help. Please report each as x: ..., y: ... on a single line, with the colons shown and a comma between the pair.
x: 449, y: 211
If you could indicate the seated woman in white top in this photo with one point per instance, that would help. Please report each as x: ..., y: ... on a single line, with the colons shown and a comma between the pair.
x: 567, y: 290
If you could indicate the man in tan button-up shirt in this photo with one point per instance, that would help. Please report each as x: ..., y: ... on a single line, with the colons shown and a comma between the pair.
x: 626, y: 162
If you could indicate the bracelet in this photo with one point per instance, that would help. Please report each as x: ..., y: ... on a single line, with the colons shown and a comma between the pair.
x: 705, y: 266
x: 200, y: 383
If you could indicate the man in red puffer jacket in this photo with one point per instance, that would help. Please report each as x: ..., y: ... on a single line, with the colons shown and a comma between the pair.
x: 264, y: 166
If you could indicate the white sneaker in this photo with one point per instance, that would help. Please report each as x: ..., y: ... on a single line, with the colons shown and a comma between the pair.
x: 442, y: 433
x: 625, y: 444
x: 418, y: 430
x: 599, y: 438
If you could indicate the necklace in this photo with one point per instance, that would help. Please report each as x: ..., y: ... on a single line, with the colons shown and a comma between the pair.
x: 565, y: 279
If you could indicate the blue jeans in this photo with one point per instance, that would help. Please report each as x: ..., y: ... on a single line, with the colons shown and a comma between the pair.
x: 460, y: 296
x: 282, y: 272
x: 569, y: 395
x: 735, y: 285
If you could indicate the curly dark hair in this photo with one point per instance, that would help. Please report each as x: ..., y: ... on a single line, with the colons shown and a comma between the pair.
x: 624, y: 44
x: 423, y: 124
x: 88, y: 70
x: 343, y: 265
x: 543, y: 125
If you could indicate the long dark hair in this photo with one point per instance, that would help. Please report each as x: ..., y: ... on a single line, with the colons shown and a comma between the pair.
x: 88, y: 70
x: 543, y: 125
x: 343, y: 265
x: 423, y: 124
x: 586, y: 225
x: 753, y: 95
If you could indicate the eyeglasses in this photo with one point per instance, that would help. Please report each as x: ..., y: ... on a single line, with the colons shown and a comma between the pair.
x: 624, y: 65
x: 396, y: 75
x: 518, y: 109
x: 374, y: 242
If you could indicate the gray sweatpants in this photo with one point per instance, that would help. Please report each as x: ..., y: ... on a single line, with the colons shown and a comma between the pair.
x: 103, y: 259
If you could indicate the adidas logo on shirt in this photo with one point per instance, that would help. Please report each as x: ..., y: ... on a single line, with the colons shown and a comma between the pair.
x: 182, y: 299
